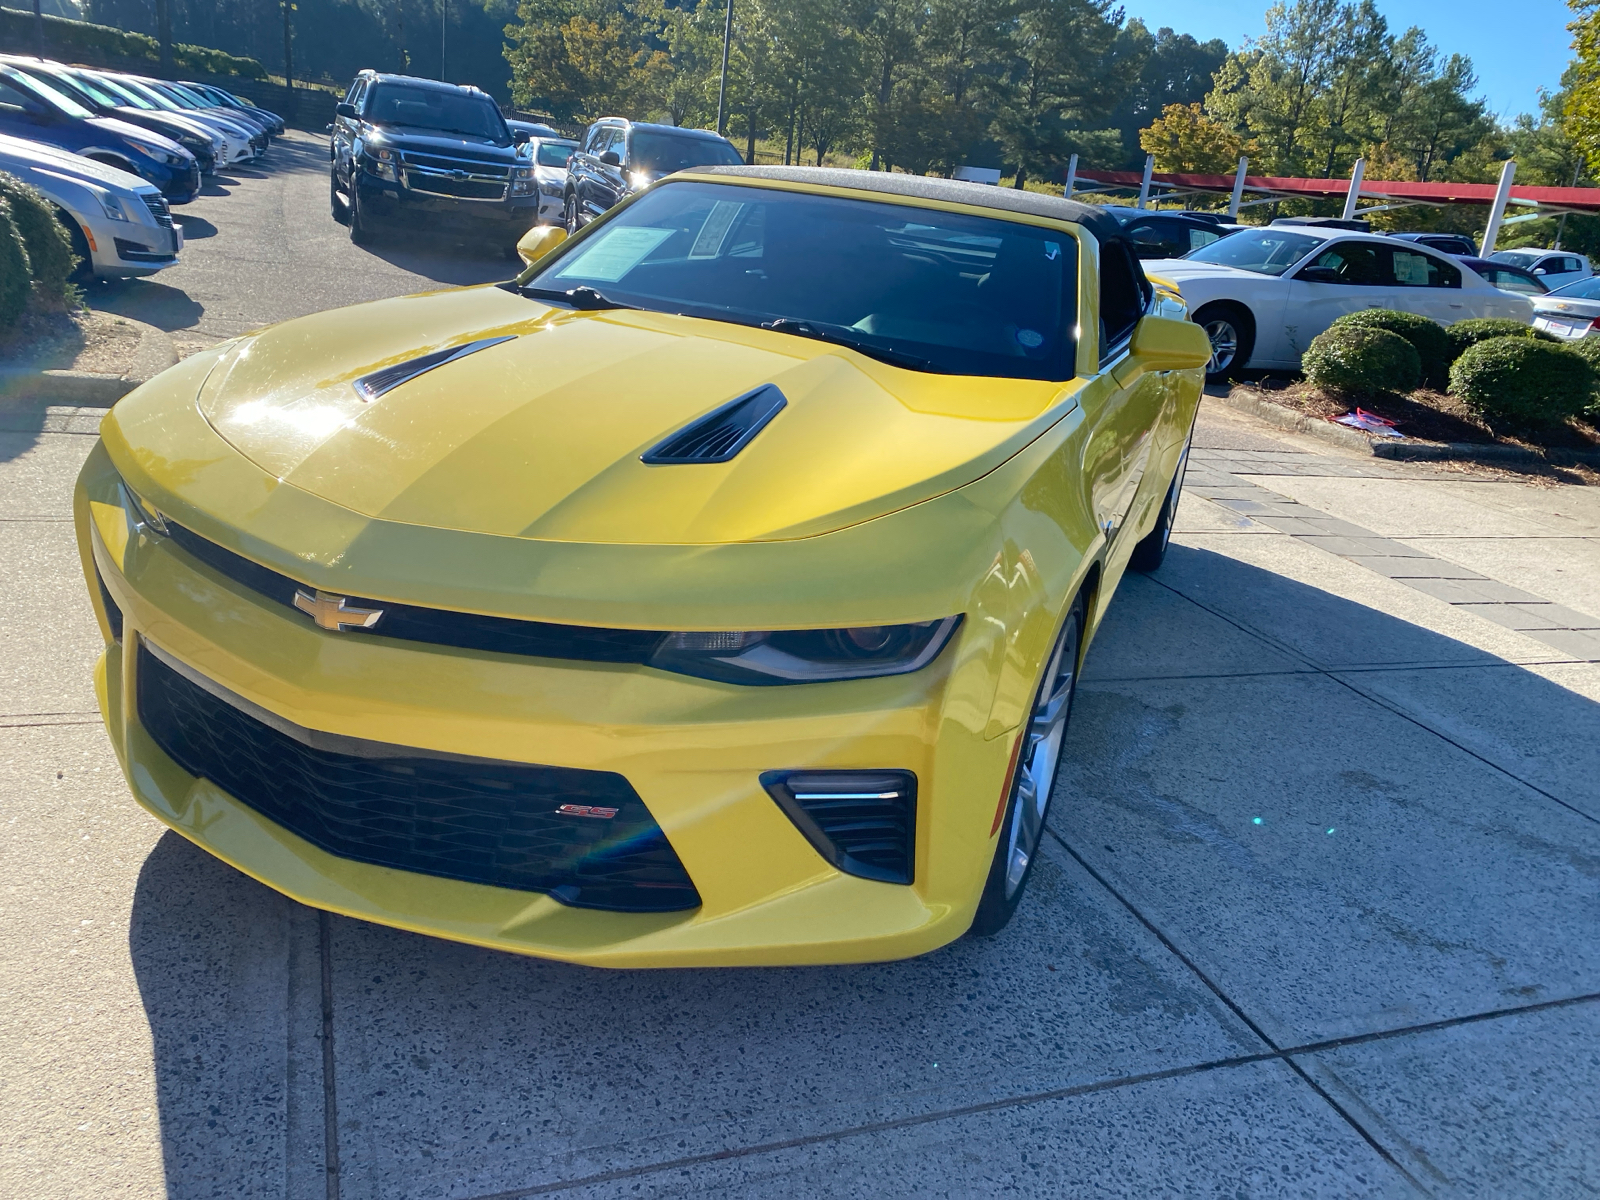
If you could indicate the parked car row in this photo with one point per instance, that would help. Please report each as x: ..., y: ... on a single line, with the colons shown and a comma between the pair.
x: 405, y: 151
x: 113, y: 152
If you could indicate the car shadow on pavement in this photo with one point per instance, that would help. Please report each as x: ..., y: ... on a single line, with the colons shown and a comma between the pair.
x: 194, y: 227
x: 457, y: 1063
x: 146, y: 300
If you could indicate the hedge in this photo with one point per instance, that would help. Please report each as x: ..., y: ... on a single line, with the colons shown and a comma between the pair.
x: 49, y: 245
x: 71, y: 38
x: 1523, y: 380
x: 1356, y: 358
x: 1588, y: 349
x: 15, y: 278
x: 1480, y: 329
x: 1425, y: 334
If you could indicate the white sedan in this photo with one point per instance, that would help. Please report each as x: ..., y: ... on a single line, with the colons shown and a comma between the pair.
x: 1263, y: 294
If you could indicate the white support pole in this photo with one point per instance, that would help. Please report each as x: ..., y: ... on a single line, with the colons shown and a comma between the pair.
x: 1072, y: 175
x: 1497, y: 211
x: 1144, y: 184
x: 1354, y: 194
x: 1238, y: 190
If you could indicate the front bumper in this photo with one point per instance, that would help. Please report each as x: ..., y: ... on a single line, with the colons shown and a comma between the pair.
x: 384, y: 199
x: 693, y: 750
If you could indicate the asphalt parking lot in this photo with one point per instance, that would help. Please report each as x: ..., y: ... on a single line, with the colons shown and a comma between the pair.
x: 1317, y: 916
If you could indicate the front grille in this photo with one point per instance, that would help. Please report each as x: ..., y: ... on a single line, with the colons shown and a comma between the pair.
x: 472, y: 819
x: 465, y: 176
x: 461, y: 189
x: 464, y: 160
x: 436, y: 626
x: 863, y: 822
x: 158, y: 209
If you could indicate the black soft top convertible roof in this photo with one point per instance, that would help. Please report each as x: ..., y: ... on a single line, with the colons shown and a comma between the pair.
x: 955, y: 191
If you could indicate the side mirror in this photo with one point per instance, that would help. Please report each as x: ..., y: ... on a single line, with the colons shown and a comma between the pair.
x: 1319, y: 275
x: 610, y: 159
x: 347, y: 111
x: 1540, y: 271
x: 535, y: 244
x: 520, y: 137
x: 1163, y: 344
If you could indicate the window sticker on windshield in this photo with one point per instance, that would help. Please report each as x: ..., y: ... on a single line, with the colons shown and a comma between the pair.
x: 708, y: 242
x: 614, y: 253
x: 1052, y: 251
x: 1411, y: 269
x: 1030, y: 338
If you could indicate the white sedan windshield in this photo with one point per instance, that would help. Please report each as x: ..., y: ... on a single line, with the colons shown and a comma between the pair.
x: 1264, y: 251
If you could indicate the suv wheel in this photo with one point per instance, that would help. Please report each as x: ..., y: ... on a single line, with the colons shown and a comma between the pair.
x: 569, y: 213
x: 336, y: 202
x: 362, y: 232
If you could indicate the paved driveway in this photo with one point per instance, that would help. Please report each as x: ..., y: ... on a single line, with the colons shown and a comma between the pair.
x: 1317, y: 916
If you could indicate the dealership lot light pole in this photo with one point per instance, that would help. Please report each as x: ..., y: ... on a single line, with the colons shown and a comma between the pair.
x: 722, y: 88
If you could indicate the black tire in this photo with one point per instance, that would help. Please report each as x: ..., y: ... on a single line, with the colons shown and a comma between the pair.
x: 339, y: 207
x: 362, y: 231
x: 83, y: 269
x: 569, y: 213
x: 1233, y: 338
x: 1152, y: 548
x: 1028, y: 805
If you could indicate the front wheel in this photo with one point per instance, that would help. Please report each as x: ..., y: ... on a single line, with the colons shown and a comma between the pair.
x: 362, y: 232
x: 1038, y: 763
x: 1152, y: 548
x: 569, y: 213
x: 1232, y: 337
x: 336, y: 202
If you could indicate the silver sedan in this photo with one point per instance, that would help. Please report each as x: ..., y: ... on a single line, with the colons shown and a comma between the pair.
x: 1572, y: 313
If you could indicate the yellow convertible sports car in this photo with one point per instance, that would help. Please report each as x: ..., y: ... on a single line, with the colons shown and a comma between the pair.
x: 712, y: 593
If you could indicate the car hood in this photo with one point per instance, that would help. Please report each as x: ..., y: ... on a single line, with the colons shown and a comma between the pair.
x: 1180, y: 269
x: 540, y: 436
x: 44, y: 157
x: 134, y: 133
x: 443, y: 144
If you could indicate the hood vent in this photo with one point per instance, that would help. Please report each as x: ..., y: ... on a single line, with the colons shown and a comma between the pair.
x: 375, y: 383
x: 719, y: 435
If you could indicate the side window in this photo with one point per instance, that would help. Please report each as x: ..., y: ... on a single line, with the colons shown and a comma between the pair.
x: 1202, y: 237
x: 358, y: 93
x: 596, y: 138
x: 617, y: 143
x: 1157, y: 238
x: 1571, y: 264
x: 1359, y: 264
x: 13, y: 102
x: 1124, y: 292
x: 1412, y: 269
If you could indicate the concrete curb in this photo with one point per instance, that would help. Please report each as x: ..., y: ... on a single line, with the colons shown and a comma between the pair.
x: 1397, y: 448
x: 154, y: 354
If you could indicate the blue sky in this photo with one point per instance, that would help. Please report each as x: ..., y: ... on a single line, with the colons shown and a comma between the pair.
x: 1516, y: 48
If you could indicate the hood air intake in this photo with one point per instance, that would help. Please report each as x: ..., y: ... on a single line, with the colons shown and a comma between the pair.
x: 718, y: 436
x: 375, y: 383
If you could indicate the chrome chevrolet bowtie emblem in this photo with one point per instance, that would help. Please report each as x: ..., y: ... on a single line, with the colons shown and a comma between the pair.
x: 333, y: 612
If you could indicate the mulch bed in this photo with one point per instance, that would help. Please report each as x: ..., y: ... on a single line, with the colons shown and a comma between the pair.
x: 1430, y: 416
x: 82, y: 341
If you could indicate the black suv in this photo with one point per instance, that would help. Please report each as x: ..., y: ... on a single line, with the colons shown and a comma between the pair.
x: 620, y: 157
x: 1156, y: 234
x: 413, y: 151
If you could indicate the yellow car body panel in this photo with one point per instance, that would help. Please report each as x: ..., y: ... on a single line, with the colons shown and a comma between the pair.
x: 488, y: 487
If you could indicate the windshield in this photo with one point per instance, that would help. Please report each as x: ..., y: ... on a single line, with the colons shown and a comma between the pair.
x: 169, y: 93
x: 124, y: 95
x: 1584, y: 289
x: 155, y: 98
x: 1264, y: 251
x: 432, y: 108
x: 1517, y: 258
x: 184, y: 93
x: 664, y: 153
x: 553, y: 154
x: 48, y: 94
x: 969, y: 295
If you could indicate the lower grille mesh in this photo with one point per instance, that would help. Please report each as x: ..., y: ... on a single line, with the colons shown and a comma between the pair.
x: 473, y: 819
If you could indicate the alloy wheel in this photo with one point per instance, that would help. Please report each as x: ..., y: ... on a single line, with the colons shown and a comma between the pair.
x: 1224, y: 344
x: 1041, y: 756
x: 569, y: 213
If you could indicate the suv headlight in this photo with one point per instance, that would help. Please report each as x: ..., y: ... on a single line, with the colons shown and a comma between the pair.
x: 523, y: 182
x: 805, y: 655
x: 382, y: 162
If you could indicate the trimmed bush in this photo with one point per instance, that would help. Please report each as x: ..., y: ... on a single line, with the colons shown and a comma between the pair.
x: 1355, y: 358
x: 78, y: 40
x: 1523, y: 380
x: 1588, y: 349
x: 1425, y: 334
x: 15, y: 279
x: 49, y: 245
x: 1480, y: 329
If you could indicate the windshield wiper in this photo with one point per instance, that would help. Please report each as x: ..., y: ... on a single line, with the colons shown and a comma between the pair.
x: 843, y: 335
x: 584, y: 297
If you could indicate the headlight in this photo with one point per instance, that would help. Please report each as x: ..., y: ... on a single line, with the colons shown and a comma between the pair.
x: 522, y: 181
x: 554, y: 190
x: 805, y: 655
x: 382, y: 162
x: 110, y: 206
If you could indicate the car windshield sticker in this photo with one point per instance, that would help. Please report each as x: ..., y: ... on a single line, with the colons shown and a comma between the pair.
x: 1052, y: 251
x: 708, y: 243
x: 614, y: 253
x: 1411, y: 269
x: 1031, y: 338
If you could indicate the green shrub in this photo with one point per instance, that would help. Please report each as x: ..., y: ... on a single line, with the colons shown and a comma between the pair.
x: 1355, y: 358
x: 49, y: 245
x: 1588, y: 349
x: 1425, y: 334
x: 1523, y: 380
x: 1480, y: 329
x: 80, y: 40
x: 16, y: 281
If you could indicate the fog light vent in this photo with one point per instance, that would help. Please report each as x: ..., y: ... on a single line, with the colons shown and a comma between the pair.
x: 863, y: 822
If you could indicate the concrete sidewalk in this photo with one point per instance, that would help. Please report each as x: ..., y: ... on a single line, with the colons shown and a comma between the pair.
x: 1317, y: 918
